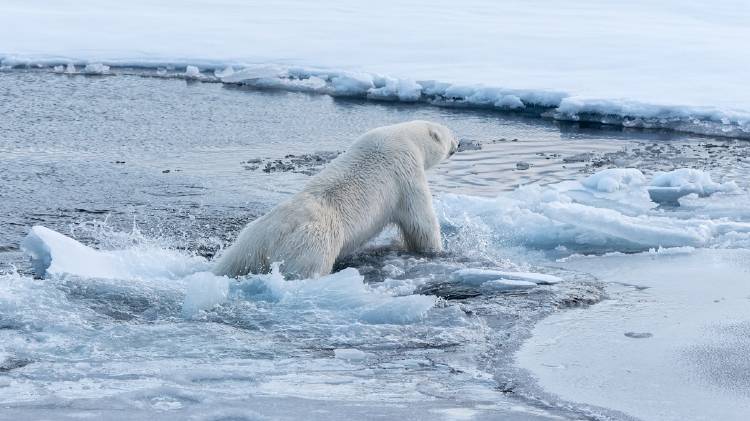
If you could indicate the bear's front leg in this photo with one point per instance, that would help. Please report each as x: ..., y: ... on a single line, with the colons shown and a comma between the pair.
x: 417, y: 221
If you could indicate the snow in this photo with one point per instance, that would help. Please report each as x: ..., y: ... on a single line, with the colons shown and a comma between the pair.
x: 673, y: 64
x: 670, y: 343
x: 89, y: 69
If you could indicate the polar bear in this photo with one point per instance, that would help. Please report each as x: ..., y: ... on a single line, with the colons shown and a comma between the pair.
x: 380, y: 180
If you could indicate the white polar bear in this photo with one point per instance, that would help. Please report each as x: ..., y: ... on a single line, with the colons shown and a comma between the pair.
x: 380, y: 180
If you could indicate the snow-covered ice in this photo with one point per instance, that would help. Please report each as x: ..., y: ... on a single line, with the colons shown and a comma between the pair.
x: 670, y: 343
x: 670, y: 64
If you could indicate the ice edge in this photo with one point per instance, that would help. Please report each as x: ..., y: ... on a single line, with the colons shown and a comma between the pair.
x: 549, y: 104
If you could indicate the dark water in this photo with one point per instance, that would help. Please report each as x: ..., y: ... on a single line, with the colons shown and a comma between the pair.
x: 189, y: 164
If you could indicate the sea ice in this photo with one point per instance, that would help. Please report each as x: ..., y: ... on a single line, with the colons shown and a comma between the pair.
x: 608, y: 211
x: 192, y: 72
x: 404, y: 90
x: 670, y: 342
x: 507, y: 285
x: 351, y: 84
x: 225, y: 73
x: 250, y: 73
x: 96, y: 69
x: 52, y: 253
x: 668, y: 187
x: 614, y: 179
x: 480, y: 276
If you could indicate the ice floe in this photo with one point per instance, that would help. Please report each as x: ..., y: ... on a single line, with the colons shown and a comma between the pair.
x: 668, y: 187
x: 481, y: 276
x: 52, y: 253
x: 611, y: 210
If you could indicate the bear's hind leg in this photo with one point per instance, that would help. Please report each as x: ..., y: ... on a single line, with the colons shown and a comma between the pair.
x: 245, y: 255
x: 309, y: 252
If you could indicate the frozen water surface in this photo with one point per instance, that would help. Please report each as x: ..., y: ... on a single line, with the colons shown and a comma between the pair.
x: 119, y: 189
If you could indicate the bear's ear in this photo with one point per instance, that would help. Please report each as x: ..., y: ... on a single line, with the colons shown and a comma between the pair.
x: 434, y: 134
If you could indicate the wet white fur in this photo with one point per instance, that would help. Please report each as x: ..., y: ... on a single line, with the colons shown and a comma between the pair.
x: 380, y: 180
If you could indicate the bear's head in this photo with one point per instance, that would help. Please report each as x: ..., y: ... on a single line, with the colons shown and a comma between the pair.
x: 436, y: 141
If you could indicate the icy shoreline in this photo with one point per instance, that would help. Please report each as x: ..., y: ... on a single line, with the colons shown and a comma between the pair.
x: 546, y: 104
